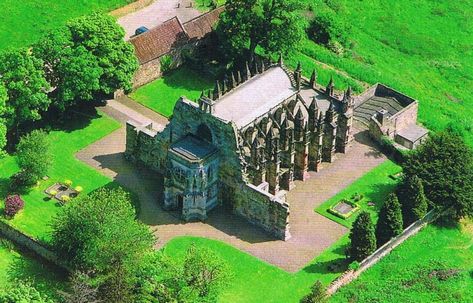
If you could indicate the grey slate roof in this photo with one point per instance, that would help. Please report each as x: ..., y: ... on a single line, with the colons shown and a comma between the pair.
x: 412, y: 132
x: 192, y: 149
x: 255, y: 97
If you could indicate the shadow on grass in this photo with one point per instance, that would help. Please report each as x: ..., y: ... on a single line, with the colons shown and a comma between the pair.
x: 75, y: 118
x: 334, y: 266
x: 187, y: 79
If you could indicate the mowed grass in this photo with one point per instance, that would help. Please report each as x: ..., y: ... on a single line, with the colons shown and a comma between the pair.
x: 422, y: 48
x: 24, y: 22
x: 406, y: 275
x: 162, y: 94
x: 374, y: 186
x: 15, y: 265
x: 38, y: 212
x: 256, y: 281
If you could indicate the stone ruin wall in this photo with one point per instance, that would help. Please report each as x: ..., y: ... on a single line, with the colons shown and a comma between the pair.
x: 406, y: 117
x: 149, y: 147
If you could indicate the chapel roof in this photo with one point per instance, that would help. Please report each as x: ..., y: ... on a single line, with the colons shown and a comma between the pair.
x: 192, y: 149
x: 203, y: 24
x: 255, y: 97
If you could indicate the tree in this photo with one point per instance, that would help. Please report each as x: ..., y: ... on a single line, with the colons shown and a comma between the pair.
x: 199, y: 278
x: 23, y: 292
x: 412, y: 198
x: 274, y: 25
x: 26, y: 87
x: 389, y: 222
x: 33, y: 157
x: 362, y: 237
x: 73, y: 71
x: 99, y: 233
x: 444, y: 163
x: 100, y: 35
x: 318, y: 294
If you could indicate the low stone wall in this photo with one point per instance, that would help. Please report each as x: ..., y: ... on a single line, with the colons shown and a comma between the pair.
x: 31, y: 244
x: 264, y: 210
x: 351, y: 275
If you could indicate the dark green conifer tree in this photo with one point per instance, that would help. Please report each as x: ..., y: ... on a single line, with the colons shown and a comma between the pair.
x: 362, y: 237
x: 389, y: 222
x: 412, y: 198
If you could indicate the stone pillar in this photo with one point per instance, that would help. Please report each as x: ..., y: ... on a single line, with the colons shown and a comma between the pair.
x: 301, y: 157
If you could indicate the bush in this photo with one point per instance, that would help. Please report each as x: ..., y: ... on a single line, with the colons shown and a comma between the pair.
x: 166, y: 63
x: 65, y: 198
x: 79, y: 189
x: 13, y: 204
x: 318, y: 294
x: 68, y: 182
x: 328, y: 29
x: 24, y: 292
x: 7, y: 244
x: 355, y: 265
x: 33, y: 157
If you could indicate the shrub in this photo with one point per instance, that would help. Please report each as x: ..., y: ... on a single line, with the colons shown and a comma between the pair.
x: 13, y: 204
x: 355, y: 265
x: 330, y: 30
x: 33, y: 157
x: 68, y: 182
x: 53, y: 192
x: 23, y: 292
x: 317, y: 294
x: 65, y: 198
x: 7, y: 244
x: 79, y: 189
x: 166, y: 63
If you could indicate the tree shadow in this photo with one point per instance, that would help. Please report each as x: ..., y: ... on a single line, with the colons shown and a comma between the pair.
x: 75, y: 118
x: 334, y: 266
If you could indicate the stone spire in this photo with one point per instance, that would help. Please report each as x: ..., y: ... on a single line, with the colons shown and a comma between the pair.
x: 248, y: 71
x: 224, y: 86
x: 262, y: 68
x: 313, y: 79
x: 238, y: 79
x: 330, y: 114
x: 313, y: 113
x: 298, y: 76
x: 233, y: 82
x: 280, y: 60
x: 217, y: 91
x: 257, y: 71
x: 209, y: 94
x: 330, y: 87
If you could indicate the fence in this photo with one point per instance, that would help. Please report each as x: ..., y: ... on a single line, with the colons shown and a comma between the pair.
x: 411, y: 230
x: 31, y: 244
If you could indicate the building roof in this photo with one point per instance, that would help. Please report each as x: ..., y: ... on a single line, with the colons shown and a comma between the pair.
x: 159, y: 40
x: 192, y: 149
x: 255, y: 97
x: 163, y: 38
x: 412, y: 133
x: 203, y: 24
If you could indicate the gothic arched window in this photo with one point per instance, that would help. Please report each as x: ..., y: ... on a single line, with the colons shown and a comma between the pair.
x: 204, y: 133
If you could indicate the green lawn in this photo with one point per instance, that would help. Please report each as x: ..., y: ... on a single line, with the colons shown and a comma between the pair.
x: 256, y: 281
x: 15, y: 265
x: 374, y: 186
x: 403, y: 276
x: 34, y: 219
x: 422, y: 48
x: 24, y: 22
x: 204, y: 5
x: 162, y: 94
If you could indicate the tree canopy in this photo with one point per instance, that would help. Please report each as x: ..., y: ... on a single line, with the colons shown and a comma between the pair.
x: 389, y: 222
x: 362, y: 237
x: 412, y: 198
x: 273, y: 25
x: 26, y: 87
x: 444, y: 163
x: 33, y: 157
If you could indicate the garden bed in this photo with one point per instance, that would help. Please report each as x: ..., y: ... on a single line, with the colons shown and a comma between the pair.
x: 344, y: 209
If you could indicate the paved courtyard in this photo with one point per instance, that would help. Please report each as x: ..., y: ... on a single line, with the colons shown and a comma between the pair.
x: 311, y: 232
x: 156, y: 13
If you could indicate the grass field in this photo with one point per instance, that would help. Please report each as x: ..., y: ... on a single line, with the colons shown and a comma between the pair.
x: 23, y: 22
x: 374, y: 186
x: 34, y: 219
x: 406, y: 274
x: 15, y: 265
x: 162, y: 94
x: 422, y: 48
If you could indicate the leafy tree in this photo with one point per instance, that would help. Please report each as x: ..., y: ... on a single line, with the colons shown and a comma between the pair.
x: 362, y: 237
x: 99, y: 233
x: 273, y: 25
x: 33, y: 157
x: 23, y: 292
x: 328, y: 29
x: 198, y: 279
x: 389, y: 222
x: 412, y: 198
x: 318, y: 294
x: 104, y: 38
x: 444, y: 163
x: 73, y: 71
x: 26, y: 87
